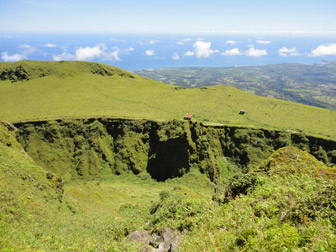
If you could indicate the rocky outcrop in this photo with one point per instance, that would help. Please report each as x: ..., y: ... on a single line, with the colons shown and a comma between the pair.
x: 166, y: 241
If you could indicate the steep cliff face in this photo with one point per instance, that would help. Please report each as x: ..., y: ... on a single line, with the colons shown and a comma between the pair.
x: 84, y: 148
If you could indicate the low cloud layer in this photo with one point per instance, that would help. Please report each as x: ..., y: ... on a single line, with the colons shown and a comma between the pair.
x: 285, y: 52
x: 324, y: 50
x: 89, y: 53
x: 252, y: 52
x: 25, y: 50
x: 10, y: 58
x: 201, y: 50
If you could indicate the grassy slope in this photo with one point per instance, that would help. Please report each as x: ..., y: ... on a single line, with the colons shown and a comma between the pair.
x: 89, y: 216
x: 291, y: 207
x: 72, y: 90
x: 277, y: 215
x: 307, y: 84
x: 35, y: 214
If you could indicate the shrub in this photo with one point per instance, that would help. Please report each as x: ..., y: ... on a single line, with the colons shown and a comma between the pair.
x: 240, y: 184
x: 177, y: 212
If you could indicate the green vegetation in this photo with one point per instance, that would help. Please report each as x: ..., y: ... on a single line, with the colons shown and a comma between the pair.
x: 73, y: 90
x: 40, y: 213
x: 274, y: 211
x: 86, y: 184
x: 275, y: 208
x: 92, y: 148
x: 308, y: 84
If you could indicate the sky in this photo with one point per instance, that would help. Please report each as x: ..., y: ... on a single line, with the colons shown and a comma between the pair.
x: 164, y: 17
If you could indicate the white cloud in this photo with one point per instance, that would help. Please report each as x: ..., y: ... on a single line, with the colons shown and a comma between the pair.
x: 183, y: 41
x: 86, y: 53
x: 153, y: 41
x: 128, y: 50
x: 99, y: 51
x: 150, y: 52
x: 113, y: 55
x: 201, y: 50
x: 253, y: 52
x: 25, y: 46
x: 232, y: 52
x: 175, y: 56
x: 116, y: 53
x: 26, y: 49
x: 323, y: 50
x: 285, y: 52
x: 64, y: 56
x: 14, y: 57
x: 50, y: 45
x: 264, y: 42
x: 148, y: 42
x: 189, y: 53
x: 232, y: 42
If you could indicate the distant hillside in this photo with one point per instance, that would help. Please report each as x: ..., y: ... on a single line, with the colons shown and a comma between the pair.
x: 308, y: 84
x: 31, y: 70
x: 63, y: 90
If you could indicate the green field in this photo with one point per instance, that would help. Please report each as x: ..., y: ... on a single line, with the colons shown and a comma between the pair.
x: 52, y: 90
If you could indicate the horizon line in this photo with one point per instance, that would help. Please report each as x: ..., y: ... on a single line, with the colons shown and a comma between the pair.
x: 270, y: 33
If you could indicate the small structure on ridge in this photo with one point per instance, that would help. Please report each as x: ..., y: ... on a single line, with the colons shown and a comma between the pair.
x: 188, y: 117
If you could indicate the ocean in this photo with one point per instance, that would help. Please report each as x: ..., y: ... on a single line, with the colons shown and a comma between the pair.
x: 138, y: 51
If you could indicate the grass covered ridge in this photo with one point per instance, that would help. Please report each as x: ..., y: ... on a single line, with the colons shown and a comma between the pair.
x: 30, y: 70
x: 76, y: 89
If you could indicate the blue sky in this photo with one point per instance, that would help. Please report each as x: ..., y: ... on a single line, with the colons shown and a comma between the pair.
x: 173, y: 16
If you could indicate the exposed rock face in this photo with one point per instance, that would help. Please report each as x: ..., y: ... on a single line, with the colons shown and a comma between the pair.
x: 91, y: 147
x: 139, y: 236
x: 166, y: 241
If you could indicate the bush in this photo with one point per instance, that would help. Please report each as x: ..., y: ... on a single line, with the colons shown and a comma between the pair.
x: 177, y: 212
x: 240, y: 184
x: 320, y: 204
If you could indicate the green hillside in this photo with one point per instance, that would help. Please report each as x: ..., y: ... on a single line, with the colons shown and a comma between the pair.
x: 307, y: 84
x: 287, y: 204
x: 89, y: 180
x: 32, y: 90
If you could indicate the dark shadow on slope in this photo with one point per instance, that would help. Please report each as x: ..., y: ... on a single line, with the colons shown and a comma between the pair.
x: 168, y: 159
